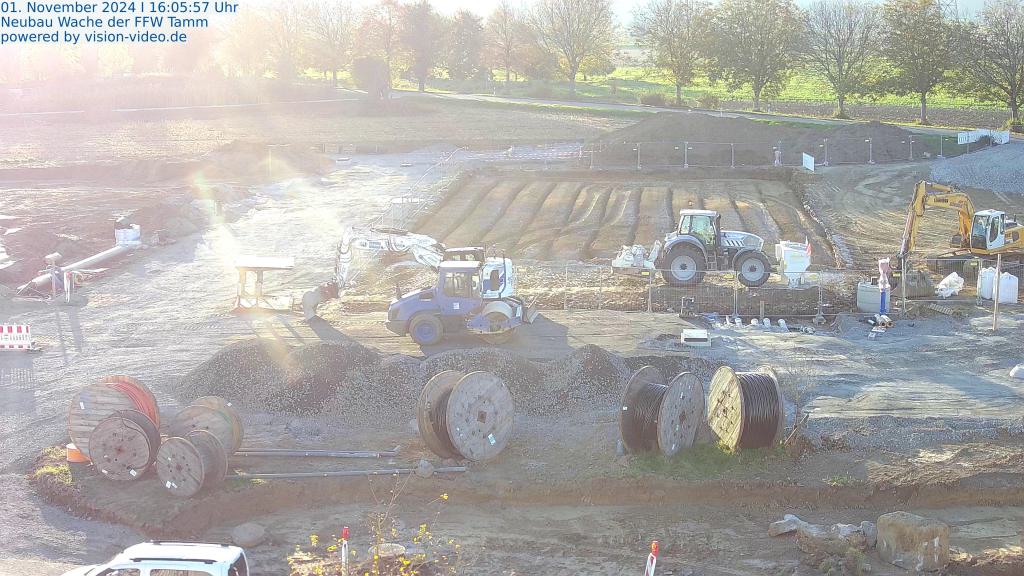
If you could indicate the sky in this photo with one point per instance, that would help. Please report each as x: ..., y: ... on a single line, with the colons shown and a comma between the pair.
x: 623, y: 8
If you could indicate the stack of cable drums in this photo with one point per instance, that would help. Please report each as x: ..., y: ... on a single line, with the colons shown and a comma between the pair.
x: 134, y: 416
x: 745, y: 409
x: 465, y: 416
x: 661, y: 416
x: 195, y: 456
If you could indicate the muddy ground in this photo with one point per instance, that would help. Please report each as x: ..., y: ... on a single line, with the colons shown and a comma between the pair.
x: 899, y: 423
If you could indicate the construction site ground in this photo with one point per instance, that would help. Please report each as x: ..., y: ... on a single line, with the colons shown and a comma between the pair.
x: 925, y: 419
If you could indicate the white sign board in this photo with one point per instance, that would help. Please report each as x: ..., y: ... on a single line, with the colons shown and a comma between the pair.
x: 15, y: 337
x: 809, y: 162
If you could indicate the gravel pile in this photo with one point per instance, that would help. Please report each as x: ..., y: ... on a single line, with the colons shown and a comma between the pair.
x: 347, y: 381
x: 1000, y: 169
x: 247, y: 372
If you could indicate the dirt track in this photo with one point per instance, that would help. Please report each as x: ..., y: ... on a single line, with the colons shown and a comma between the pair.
x: 582, y: 218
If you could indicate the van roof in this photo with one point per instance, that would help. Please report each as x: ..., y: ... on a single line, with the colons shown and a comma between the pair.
x: 180, y: 551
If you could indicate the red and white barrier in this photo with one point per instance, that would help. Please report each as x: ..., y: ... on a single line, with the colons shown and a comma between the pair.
x: 652, y: 559
x: 16, y: 337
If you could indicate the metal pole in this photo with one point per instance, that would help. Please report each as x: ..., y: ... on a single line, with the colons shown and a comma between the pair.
x: 270, y: 162
x: 732, y: 148
x: 336, y: 473
x: 286, y: 453
x: 903, y: 285
x: 565, y: 289
x: 686, y: 160
x: 911, y: 140
x: 871, y: 153
x: 650, y: 290
x: 941, y: 138
x: 995, y: 293
x: 637, y: 155
x: 826, y: 151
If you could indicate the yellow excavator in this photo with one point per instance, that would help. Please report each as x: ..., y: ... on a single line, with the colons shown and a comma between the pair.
x: 979, y: 234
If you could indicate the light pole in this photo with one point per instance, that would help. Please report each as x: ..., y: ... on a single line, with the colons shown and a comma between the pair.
x: 911, y: 140
x: 637, y: 150
x: 825, y: 145
x: 941, y: 138
x: 732, y: 149
x: 871, y: 154
x: 686, y: 159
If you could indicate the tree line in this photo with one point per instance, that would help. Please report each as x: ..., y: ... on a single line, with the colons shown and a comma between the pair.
x: 857, y: 47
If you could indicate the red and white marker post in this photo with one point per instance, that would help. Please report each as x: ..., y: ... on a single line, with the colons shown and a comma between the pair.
x: 652, y: 559
x: 344, y: 551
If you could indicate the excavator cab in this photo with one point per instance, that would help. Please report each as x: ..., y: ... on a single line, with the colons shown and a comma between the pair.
x: 988, y: 230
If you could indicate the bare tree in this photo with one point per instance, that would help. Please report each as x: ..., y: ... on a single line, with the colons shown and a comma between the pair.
x: 574, y: 30
x: 245, y: 48
x: 421, y: 35
x: 916, y: 43
x: 504, y: 37
x: 993, y: 52
x: 841, y: 38
x: 287, y: 34
x: 755, y: 42
x: 673, y: 32
x: 379, y: 33
x: 332, y: 27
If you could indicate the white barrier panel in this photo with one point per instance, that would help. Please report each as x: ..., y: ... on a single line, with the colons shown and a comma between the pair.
x: 997, y: 136
x: 15, y: 337
x: 809, y: 162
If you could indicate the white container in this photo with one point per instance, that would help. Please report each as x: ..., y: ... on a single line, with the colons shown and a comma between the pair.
x: 793, y: 260
x: 986, y: 277
x: 869, y: 298
x: 1007, y: 288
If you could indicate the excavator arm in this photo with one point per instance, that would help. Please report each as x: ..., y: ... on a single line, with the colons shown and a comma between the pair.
x: 928, y: 194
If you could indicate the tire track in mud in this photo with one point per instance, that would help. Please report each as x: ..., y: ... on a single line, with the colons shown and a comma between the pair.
x: 488, y: 212
x: 751, y: 211
x: 684, y: 197
x: 520, y: 214
x: 795, y: 226
x: 455, y: 207
x: 655, y: 217
x: 590, y: 210
x: 618, y: 228
x: 552, y: 221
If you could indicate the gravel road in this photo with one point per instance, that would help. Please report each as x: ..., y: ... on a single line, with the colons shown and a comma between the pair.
x: 1000, y: 169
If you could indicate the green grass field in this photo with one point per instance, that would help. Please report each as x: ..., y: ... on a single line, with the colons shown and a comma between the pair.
x: 628, y: 84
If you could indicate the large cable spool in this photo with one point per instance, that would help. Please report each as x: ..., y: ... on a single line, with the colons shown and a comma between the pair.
x: 215, y: 416
x: 142, y: 396
x: 660, y: 416
x: 124, y: 445
x: 745, y: 409
x: 186, y: 466
x: 465, y: 416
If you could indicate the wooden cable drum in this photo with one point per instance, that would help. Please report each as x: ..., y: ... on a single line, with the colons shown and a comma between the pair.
x: 188, y: 465
x: 428, y: 414
x: 745, y: 409
x: 124, y: 445
x: 144, y: 399
x: 225, y: 407
x: 659, y: 416
x: 92, y: 405
x: 217, y: 422
x: 466, y: 416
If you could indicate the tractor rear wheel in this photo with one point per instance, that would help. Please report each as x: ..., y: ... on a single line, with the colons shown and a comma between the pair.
x: 753, y: 269
x: 685, y: 266
x: 498, y: 337
x: 426, y: 329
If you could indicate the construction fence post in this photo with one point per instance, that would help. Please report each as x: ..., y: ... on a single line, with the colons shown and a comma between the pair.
x: 903, y: 287
x: 650, y: 292
x: 565, y: 288
x: 995, y: 293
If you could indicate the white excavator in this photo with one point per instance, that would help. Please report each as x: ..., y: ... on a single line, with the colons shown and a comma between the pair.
x: 473, y: 292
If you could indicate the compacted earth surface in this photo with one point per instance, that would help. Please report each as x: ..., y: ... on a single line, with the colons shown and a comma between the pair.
x: 924, y: 419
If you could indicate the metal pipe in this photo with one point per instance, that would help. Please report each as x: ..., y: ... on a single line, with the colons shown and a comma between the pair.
x: 336, y: 473
x: 43, y: 279
x: 288, y: 453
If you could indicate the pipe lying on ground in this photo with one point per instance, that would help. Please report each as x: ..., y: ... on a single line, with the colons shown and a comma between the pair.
x: 290, y: 453
x: 337, y: 473
x: 44, y: 279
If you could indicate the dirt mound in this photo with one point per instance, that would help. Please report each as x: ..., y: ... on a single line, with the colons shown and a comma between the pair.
x: 256, y: 161
x: 849, y: 143
x: 248, y: 372
x: 353, y: 382
x: 723, y: 141
x: 314, y: 373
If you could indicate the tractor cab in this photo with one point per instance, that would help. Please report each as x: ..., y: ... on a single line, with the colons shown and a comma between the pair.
x: 702, y: 225
x: 988, y: 230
